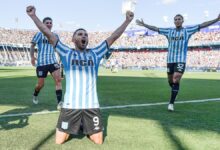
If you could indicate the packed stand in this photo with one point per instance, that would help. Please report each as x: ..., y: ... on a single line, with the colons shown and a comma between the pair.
x: 145, y: 59
x: 23, y: 37
x: 15, y: 44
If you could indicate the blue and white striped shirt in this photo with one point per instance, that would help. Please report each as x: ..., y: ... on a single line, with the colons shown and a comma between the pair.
x: 81, y: 68
x: 178, y: 42
x: 45, y: 53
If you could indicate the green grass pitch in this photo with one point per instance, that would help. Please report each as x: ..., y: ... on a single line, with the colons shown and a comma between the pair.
x: 193, y: 126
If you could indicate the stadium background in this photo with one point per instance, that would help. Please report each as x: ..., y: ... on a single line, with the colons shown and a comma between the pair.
x: 137, y: 49
x: 140, y: 58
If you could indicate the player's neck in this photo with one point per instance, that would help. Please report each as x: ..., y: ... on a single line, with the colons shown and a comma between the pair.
x: 81, y: 50
x: 179, y: 27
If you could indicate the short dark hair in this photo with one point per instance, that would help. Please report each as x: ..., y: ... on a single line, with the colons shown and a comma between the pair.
x: 47, y: 18
x: 74, y: 33
x: 179, y: 15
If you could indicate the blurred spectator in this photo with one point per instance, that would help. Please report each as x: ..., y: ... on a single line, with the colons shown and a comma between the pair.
x: 15, y: 43
x: 23, y: 37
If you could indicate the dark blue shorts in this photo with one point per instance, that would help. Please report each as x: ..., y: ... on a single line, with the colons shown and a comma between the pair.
x: 42, y: 71
x: 176, y: 67
x: 71, y: 120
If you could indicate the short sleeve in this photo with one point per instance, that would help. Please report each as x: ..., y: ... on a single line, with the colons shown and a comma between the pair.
x: 61, y: 49
x: 36, y: 38
x: 101, y: 49
x: 191, y: 30
x: 164, y: 31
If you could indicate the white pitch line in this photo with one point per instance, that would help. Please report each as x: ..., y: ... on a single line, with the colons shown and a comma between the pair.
x: 29, y: 114
x: 161, y: 103
x: 115, y: 107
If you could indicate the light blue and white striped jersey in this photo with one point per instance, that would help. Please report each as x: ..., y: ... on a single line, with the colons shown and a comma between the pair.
x: 178, y: 42
x: 45, y: 53
x: 81, y: 71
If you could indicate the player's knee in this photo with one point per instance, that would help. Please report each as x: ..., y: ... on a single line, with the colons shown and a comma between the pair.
x: 97, y: 141
x: 40, y: 85
x: 58, y: 81
x: 60, y: 141
x: 176, y: 80
x: 61, y: 137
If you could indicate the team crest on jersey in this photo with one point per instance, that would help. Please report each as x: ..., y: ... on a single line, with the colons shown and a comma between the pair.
x: 57, y: 66
x: 177, y: 38
x: 40, y: 73
x: 76, y: 55
x: 64, y: 125
x: 181, y: 34
x: 89, y: 56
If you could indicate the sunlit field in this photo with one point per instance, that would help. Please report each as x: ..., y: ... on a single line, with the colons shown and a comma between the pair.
x: 192, y: 126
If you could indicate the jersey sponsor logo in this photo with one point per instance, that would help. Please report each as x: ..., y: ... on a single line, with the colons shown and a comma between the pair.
x: 45, y: 41
x: 177, y: 38
x: 85, y: 63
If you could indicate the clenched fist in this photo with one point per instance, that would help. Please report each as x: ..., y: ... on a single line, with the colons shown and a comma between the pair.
x: 31, y: 10
x: 129, y: 16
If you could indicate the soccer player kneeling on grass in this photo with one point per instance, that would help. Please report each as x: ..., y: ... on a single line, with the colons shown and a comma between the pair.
x: 81, y: 106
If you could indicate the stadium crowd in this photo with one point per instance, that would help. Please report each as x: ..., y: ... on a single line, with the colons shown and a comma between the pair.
x: 143, y: 59
x: 23, y: 37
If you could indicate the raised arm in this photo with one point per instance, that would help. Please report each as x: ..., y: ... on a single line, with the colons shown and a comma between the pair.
x: 50, y: 36
x: 141, y: 23
x: 208, y: 23
x: 118, y: 32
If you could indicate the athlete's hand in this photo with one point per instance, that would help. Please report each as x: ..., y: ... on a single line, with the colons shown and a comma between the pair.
x: 33, y: 61
x: 140, y: 22
x: 129, y: 16
x: 31, y: 10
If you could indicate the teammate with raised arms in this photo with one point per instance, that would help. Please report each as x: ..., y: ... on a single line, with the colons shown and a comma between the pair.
x: 178, y: 38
